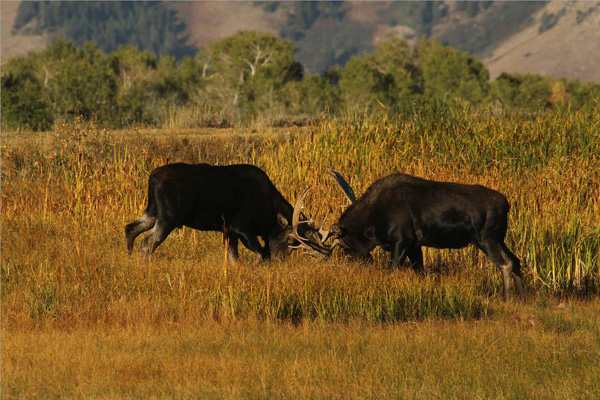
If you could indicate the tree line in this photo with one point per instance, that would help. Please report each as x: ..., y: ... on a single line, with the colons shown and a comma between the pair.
x: 156, y: 26
x: 148, y: 25
x: 251, y: 74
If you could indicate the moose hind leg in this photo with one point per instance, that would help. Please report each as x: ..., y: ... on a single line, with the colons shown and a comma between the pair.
x: 508, y: 264
x: 133, y: 230
x: 232, y: 248
x: 515, y: 269
x: 157, y: 235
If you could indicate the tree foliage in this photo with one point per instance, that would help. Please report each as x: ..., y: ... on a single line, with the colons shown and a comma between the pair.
x: 254, y: 65
x: 147, y: 25
x: 22, y: 105
x: 522, y: 90
x: 386, y: 77
x: 61, y: 81
x: 251, y: 74
x: 447, y: 73
x: 78, y: 81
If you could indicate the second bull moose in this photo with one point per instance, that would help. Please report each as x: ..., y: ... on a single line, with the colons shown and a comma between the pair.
x: 402, y: 213
x: 238, y: 200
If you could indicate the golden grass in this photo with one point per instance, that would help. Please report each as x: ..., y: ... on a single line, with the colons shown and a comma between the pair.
x: 318, y: 329
x: 520, y: 353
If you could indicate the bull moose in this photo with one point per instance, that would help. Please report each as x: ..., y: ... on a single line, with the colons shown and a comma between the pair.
x: 239, y: 200
x: 402, y: 213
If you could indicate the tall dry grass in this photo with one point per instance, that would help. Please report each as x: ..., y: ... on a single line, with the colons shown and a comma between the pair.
x: 547, y: 165
x: 544, y: 355
x: 82, y: 319
x: 67, y: 194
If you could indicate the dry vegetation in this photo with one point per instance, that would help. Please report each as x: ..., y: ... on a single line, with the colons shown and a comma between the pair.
x: 552, y: 355
x: 82, y: 319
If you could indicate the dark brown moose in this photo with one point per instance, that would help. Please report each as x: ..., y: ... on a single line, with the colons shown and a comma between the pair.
x: 401, y: 213
x: 239, y: 200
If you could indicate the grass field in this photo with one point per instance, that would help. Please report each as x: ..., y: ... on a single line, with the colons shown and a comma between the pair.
x: 82, y: 319
x: 531, y: 353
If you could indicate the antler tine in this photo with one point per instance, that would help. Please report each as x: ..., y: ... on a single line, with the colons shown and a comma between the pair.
x: 298, y: 209
x: 346, y: 188
x: 323, y: 232
x: 314, y: 244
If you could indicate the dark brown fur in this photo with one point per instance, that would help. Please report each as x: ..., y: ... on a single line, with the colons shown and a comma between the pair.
x: 200, y: 196
x: 402, y: 213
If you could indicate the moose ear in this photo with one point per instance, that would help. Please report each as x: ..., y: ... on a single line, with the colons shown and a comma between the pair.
x: 282, y: 221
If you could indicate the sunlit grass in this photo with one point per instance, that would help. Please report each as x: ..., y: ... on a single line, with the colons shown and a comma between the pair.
x: 518, y: 353
x: 68, y: 195
x: 339, y: 328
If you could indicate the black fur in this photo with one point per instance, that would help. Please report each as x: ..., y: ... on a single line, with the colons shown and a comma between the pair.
x: 401, y: 213
x: 201, y: 195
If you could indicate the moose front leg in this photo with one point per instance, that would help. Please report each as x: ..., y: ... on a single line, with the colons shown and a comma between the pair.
x: 399, y: 254
x: 252, y: 243
x: 415, y: 255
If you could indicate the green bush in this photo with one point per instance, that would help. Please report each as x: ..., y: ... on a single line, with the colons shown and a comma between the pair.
x: 253, y: 76
x: 522, y: 90
x: 22, y: 104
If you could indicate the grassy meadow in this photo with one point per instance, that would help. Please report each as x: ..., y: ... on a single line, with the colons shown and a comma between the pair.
x: 82, y: 319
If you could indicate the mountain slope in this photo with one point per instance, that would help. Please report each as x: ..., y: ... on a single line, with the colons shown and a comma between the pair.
x: 569, y: 48
x: 557, y: 38
x: 210, y: 21
x: 16, y: 44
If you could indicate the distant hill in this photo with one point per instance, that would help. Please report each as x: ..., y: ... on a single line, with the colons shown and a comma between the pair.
x: 560, y: 39
x: 145, y: 24
x: 564, y: 41
x: 15, y: 43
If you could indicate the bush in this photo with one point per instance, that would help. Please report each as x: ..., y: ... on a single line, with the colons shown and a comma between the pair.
x: 22, y: 105
x: 253, y: 76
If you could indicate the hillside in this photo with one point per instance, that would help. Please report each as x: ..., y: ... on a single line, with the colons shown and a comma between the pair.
x: 557, y: 38
x: 569, y: 48
x: 211, y: 21
x: 16, y: 44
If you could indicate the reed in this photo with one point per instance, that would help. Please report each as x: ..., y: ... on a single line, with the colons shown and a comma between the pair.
x: 67, y: 194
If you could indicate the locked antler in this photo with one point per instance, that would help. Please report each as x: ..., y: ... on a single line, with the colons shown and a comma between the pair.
x: 313, y: 240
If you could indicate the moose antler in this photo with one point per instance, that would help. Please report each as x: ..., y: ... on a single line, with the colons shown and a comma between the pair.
x: 346, y: 188
x: 314, y: 242
x: 298, y: 210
